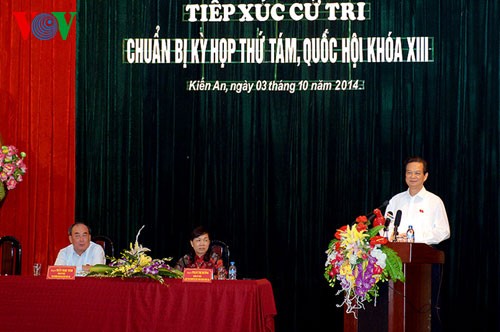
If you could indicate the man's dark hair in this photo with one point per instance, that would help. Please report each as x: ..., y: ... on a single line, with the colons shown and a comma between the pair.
x: 416, y: 160
x: 70, y: 229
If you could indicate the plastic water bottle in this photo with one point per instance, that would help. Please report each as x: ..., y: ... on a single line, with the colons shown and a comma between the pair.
x: 410, y: 234
x: 232, y: 271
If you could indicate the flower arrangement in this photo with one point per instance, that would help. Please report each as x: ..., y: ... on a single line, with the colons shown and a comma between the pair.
x: 12, y: 167
x: 358, y: 259
x: 136, y: 263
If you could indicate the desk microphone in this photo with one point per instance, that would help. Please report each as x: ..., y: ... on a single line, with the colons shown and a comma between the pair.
x: 388, y: 220
x: 387, y: 224
x: 397, y: 221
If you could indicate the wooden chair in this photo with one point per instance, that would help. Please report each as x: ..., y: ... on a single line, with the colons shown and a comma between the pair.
x: 107, y: 244
x: 10, y: 256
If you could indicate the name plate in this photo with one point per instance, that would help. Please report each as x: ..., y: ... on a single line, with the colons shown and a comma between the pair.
x: 198, y: 275
x: 61, y: 272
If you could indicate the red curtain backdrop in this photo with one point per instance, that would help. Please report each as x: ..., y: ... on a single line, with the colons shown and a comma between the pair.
x: 37, y: 115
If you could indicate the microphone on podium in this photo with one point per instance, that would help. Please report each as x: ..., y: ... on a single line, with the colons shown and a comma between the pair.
x: 397, y: 221
x: 388, y: 220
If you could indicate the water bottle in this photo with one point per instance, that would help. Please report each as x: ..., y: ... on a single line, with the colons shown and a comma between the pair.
x: 232, y: 271
x: 410, y: 234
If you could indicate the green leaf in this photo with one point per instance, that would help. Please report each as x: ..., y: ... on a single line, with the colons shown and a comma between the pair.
x: 332, y: 243
x: 375, y: 231
x: 2, y: 191
x: 173, y: 273
x: 101, y: 269
x: 394, y: 266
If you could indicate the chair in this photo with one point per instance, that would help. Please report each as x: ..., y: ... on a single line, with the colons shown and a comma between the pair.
x: 10, y: 256
x: 222, y: 249
x: 106, y: 244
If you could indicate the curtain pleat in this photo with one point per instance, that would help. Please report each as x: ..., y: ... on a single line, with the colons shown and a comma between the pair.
x: 37, y: 115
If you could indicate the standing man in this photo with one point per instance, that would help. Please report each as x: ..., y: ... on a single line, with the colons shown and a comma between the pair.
x: 424, y: 211
x: 82, y: 252
x: 420, y: 208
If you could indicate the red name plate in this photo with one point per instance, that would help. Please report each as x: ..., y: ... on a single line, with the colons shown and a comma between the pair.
x: 61, y: 272
x: 198, y: 275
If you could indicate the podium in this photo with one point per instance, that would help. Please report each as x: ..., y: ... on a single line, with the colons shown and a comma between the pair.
x: 407, y: 306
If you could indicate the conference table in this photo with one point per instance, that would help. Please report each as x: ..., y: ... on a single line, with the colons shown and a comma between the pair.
x: 30, y: 303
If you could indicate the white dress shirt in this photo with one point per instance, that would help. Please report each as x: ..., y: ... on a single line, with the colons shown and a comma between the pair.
x: 93, y: 255
x: 425, y: 212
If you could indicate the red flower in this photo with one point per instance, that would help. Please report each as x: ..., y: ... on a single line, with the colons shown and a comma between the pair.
x: 377, y: 239
x: 341, y: 229
x: 361, y: 227
x: 361, y: 219
x: 377, y: 269
x: 379, y: 218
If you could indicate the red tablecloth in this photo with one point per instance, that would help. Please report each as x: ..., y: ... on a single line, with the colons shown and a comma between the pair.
x: 112, y: 304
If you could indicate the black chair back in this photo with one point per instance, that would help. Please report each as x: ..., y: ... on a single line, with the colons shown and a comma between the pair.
x: 10, y: 256
x: 107, y: 244
x: 222, y: 249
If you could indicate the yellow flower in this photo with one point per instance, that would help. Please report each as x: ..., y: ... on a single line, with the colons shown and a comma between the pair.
x: 122, y: 269
x: 346, y: 270
x: 144, y: 260
x: 351, y: 236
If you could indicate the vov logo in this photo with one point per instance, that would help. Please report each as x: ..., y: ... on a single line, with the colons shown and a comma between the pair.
x: 44, y: 26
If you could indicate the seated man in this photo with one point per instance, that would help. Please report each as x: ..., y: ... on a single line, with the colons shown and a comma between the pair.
x: 82, y: 252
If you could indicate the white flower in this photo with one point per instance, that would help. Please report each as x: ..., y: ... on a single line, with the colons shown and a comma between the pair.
x: 380, y: 256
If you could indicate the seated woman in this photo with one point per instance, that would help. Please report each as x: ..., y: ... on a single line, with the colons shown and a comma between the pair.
x: 200, y: 255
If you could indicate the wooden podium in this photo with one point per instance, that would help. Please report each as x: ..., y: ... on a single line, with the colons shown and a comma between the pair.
x: 409, y: 303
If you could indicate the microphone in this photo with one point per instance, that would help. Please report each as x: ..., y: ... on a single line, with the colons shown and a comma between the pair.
x: 387, y: 223
x: 397, y: 221
x: 388, y: 220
